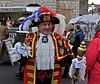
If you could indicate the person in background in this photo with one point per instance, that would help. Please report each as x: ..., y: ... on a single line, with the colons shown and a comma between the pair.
x: 20, y: 20
x: 79, y: 37
x: 22, y: 52
x: 9, y: 24
x: 78, y: 66
x: 93, y: 58
x: 71, y: 36
x: 4, y: 34
x: 68, y: 28
x: 50, y: 51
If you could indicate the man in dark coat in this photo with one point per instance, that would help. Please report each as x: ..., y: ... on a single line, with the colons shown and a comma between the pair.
x: 79, y: 37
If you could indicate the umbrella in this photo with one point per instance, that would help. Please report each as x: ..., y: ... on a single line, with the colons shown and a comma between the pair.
x: 74, y: 20
x: 89, y: 18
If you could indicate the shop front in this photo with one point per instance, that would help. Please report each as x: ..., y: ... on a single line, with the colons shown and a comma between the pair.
x: 12, y: 13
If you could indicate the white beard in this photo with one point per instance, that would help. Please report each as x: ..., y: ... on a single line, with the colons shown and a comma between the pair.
x: 45, y: 54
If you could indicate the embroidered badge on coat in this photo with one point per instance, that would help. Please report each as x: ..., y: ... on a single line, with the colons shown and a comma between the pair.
x: 45, y: 39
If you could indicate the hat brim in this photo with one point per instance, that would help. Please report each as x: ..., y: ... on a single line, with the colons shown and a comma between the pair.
x: 54, y: 20
x: 22, y: 32
x: 21, y: 19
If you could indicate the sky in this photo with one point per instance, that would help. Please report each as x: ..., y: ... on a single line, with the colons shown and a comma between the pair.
x: 94, y: 1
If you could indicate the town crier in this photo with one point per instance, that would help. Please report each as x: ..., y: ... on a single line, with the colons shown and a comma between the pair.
x: 49, y: 50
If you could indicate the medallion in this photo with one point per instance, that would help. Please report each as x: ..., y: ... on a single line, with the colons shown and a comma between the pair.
x: 45, y: 39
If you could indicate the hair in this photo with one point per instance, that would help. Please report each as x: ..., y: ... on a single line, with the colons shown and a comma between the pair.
x: 97, y: 27
x: 78, y: 27
x: 71, y: 30
x: 4, y: 23
x: 20, y: 38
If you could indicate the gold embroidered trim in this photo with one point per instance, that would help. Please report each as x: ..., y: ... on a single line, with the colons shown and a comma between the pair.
x: 29, y: 82
x: 33, y: 76
x: 56, y: 47
x: 57, y: 65
x: 46, y: 16
x: 31, y: 60
x: 55, y: 82
x: 30, y: 67
x: 56, y: 73
x: 30, y: 75
x: 64, y: 43
x: 33, y: 45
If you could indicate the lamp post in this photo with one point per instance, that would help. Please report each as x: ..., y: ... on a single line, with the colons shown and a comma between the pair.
x: 92, y: 6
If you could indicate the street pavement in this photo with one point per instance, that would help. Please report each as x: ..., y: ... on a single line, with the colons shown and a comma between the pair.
x: 7, y: 74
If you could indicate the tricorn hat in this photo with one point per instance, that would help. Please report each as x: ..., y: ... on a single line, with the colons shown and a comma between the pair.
x: 43, y: 14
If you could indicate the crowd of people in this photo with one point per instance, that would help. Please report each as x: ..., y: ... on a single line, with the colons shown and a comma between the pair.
x: 42, y: 54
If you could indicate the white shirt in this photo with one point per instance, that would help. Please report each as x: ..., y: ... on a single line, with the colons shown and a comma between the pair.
x: 45, y: 54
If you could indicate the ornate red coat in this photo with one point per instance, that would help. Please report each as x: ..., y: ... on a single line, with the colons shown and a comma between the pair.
x: 62, y: 50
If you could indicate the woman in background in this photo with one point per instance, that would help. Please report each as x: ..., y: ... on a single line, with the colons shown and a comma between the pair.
x: 93, y: 58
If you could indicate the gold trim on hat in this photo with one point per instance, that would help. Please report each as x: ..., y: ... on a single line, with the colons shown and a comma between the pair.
x: 46, y: 17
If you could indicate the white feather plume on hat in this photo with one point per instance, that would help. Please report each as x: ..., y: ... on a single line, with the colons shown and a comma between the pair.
x: 22, y: 32
x: 60, y: 28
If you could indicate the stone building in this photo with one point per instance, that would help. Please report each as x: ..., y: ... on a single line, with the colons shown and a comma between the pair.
x: 83, y: 7
x: 17, y: 8
x: 69, y: 8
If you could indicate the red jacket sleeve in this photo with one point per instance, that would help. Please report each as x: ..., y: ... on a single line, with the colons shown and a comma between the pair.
x: 91, y: 54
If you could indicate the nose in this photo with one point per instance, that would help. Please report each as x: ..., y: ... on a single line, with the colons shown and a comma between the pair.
x: 47, y: 26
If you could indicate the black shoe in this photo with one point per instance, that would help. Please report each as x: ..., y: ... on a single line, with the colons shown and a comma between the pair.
x: 20, y: 78
x: 19, y: 75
